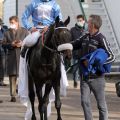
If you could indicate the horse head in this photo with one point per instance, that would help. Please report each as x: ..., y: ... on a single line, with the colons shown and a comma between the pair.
x: 63, y: 37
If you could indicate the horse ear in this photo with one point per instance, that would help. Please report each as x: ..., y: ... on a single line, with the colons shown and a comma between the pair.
x: 67, y: 21
x: 57, y: 19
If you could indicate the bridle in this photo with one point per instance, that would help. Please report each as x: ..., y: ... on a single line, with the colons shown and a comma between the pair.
x: 48, y: 48
x: 51, y: 49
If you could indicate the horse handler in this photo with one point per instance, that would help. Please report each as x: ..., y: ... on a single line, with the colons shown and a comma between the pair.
x: 93, y: 81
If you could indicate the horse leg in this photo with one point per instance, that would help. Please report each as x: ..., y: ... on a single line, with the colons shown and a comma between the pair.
x: 32, y: 97
x: 46, y: 100
x: 39, y: 95
x: 56, y: 86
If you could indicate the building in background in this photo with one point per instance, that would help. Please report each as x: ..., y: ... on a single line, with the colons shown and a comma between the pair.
x: 1, y: 8
x: 13, y: 7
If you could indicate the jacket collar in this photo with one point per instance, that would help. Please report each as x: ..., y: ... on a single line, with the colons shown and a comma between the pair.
x: 95, y: 34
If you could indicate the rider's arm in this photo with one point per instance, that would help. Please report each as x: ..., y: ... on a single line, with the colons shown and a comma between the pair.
x: 57, y: 11
x: 27, y: 13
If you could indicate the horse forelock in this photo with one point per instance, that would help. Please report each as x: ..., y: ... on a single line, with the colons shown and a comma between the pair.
x: 65, y: 36
x: 60, y: 24
x: 62, y: 34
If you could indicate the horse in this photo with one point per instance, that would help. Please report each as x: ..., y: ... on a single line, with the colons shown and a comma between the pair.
x: 44, y: 67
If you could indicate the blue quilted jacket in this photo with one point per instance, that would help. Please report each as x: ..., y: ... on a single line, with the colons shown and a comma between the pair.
x: 95, y: 63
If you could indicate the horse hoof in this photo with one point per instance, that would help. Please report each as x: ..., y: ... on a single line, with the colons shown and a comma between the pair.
x: 33, y: 118
x: 59, y: 119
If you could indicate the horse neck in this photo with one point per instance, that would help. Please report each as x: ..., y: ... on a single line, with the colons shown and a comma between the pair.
x: 48, y: 44
x: 45, y: 53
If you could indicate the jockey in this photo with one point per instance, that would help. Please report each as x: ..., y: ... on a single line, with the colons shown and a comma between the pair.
x: 44, y: 13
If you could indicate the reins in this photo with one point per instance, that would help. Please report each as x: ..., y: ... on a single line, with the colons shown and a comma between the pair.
x: 50, y: 49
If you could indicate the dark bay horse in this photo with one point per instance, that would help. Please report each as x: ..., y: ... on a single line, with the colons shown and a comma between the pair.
x: 44, y: 67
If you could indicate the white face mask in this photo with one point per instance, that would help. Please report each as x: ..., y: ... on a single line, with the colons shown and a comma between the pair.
x: 13, y: 26
x: 80, y: 24
x: 0, y: 27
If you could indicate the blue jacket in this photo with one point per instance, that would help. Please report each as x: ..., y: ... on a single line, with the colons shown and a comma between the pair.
x: 41, y: 12
x: 96, y: 63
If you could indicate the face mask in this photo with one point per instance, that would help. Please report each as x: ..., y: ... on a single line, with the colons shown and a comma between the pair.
x: 80, y: 24
x: 13, y: 26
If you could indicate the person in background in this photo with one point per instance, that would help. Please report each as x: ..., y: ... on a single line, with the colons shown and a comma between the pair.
x: 77, y: 31
x: 13, y: 38
x: 2, y: 54
x: 93, y: 82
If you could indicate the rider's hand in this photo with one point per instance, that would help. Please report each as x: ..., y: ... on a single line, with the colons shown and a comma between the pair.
x: 33, y: 29
x: 44, y: 29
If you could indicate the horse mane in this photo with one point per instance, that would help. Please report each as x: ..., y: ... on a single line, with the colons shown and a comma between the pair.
x: 49, y: 33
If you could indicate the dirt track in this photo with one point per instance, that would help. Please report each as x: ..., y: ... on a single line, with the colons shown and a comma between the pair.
x: 71, y: 108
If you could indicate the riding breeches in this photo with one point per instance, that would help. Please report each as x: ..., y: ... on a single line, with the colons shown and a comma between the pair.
x: 31, y: 39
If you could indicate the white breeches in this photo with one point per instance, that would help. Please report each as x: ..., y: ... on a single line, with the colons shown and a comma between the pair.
x: 31, y: 39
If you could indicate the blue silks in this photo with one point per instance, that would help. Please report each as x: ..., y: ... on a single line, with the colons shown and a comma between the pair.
x: 41, y: 12
x: 95, y: 63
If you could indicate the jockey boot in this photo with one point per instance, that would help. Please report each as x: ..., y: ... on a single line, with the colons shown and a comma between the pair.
x: 13, y: 99
x: 23, y: 51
